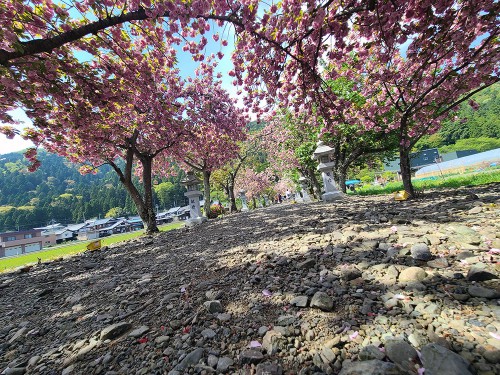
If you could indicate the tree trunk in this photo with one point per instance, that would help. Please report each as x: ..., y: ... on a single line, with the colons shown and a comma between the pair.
x: 232, y: 198
x: 148, y: 211
x: 206, y: 192
x: 341, y: 175
x: 316, y: 187
x: 404, y: 163
x: 254, y: 202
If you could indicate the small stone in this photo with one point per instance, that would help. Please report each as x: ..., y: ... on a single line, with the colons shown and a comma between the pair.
x: 224, y: 317
x: 250, y: 356
x: 420, y: 251
x: 213, y: 295
x: 68, y: 370
x: 299, y: 301
x: 212, y: 360
x: 138, y: 332
x: 18, y: 335
x: 307, y: 264
x: 213, y: 306
x: 327, y: 355
x: 224, y: 363
x: 478, y: 273
x: 273, y: 341
x: 475, y: 210
x: 350, y: 273
x: 190, y: 360
x: 262, y: 330
x: 412, y: 274
x: 492, y: 356
x: 322, y: 301
x: 14, y: 371
x: 482, y: 292
x: 401, y: 353
x: 373, y: 367
x: 33, y: 361
x: 115, y: 330
x: 208, y: 333
x: 438, y: 263
x: 269, y: 369
x: 370, y: 352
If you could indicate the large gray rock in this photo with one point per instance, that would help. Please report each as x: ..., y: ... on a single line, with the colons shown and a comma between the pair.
x: 322, y: 301
x: 373, y: 367
x: 401, y: 353
x: 115, y: 330
x: 190, y: 360
x: 438, y: 360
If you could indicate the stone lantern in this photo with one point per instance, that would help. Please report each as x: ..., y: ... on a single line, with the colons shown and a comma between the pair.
x: 243, y: 198
x: 193, y: 194
x: 323, y: 154
x: 303, y: 184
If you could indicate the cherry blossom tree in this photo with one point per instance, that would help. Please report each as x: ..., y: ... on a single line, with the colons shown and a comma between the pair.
x: 103, y: 114
x: 417, y: 59
x: 415, y: 52
x: 217, y: 126
x: 254, y: 183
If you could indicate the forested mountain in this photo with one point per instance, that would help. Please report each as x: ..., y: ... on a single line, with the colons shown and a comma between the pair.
x: 481, y: 125
x: 57, y: 191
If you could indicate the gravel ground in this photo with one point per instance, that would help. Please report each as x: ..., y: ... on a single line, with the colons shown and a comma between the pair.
x: 364, y: 285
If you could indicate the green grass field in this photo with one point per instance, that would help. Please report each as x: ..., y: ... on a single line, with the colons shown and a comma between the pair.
x: 454, y: 181
x: 73, y: 248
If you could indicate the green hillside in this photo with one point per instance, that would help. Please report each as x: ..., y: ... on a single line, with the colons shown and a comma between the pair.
x: 57, y: 191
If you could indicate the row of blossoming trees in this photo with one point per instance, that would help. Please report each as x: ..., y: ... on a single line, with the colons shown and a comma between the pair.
x: 99, y: 78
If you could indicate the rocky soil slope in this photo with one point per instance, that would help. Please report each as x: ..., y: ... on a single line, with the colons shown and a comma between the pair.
x: 360, y: 286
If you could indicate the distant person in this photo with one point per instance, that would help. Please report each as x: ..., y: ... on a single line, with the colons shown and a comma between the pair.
x: 288, y: 194
x: 280, y: 198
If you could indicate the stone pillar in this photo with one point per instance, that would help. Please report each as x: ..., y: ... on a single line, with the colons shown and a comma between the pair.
x: 193, y: 194
x: 305, y: 196
x: 243, y: 197
x: 194, y: 203
x: 323, y: 154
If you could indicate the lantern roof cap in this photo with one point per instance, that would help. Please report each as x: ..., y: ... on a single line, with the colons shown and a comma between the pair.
x: 190, y: 179
x: 321, y: 149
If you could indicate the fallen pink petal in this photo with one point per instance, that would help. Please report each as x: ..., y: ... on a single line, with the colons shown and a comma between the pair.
x: 495, y: 335
x: 354, y: 335
x: 421, y: 371
x: 494, y: 251
x: 267, y: 293
x: 255, y: 344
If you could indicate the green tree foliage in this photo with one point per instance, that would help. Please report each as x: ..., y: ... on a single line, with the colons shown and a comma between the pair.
x: 469, y: 123
x: 115, y: 212
x: 479, y: 144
